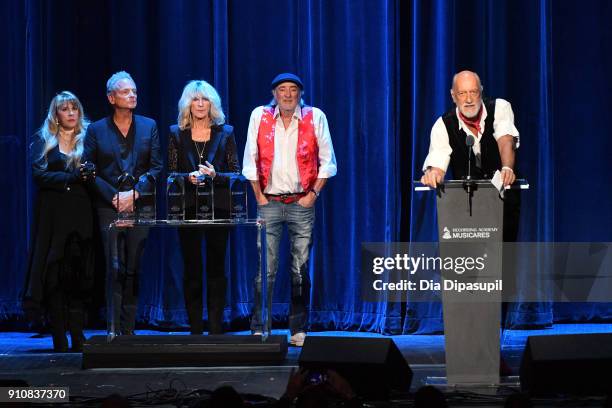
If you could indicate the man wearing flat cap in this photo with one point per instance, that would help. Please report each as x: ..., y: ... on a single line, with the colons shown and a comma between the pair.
x: 288, y: 158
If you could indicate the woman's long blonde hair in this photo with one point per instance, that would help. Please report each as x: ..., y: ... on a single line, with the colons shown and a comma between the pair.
x: 50, y: 127
x: 192, y: 90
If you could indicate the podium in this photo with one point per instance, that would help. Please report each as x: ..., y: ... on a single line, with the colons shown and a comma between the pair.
x: 470, y: 219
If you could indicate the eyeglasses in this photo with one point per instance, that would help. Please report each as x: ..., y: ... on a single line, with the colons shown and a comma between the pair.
x: 464, y: 94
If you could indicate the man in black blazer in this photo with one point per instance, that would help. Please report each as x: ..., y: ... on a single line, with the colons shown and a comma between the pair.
x: 119, y: 144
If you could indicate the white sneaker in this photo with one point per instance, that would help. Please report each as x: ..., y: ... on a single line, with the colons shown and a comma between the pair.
x: 297, y: 339
x: 257, y: 333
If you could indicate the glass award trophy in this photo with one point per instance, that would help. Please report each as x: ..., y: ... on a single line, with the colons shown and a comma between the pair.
x: 126, y: 182
x: 205, y: 198
x: 176, y: 197
x: 238, y: 198
x: 145, y: 206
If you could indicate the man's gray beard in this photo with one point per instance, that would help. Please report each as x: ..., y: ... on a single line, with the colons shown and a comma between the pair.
x: 475, y: 114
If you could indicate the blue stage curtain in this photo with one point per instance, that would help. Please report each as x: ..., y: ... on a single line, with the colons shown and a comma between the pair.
x: 381, y: 71
x: 508, y: 44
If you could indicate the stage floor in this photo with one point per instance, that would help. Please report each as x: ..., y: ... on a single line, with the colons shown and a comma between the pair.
x: 28, y: 357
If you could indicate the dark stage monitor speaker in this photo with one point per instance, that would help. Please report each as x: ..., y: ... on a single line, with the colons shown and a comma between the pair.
x: 578, y: 364
x: 374, y: 367
x: 183, y: 351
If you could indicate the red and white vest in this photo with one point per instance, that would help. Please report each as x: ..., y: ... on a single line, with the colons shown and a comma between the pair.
x: 307, y: 154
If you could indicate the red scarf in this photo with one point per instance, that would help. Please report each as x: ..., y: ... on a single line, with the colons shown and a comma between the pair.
x: 472, y: 122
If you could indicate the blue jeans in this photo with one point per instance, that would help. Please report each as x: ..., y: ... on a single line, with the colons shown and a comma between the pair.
x: 299, y: 221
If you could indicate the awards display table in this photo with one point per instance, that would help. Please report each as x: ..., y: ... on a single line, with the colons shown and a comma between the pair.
x: 117, y: 226
x: 211, y: 205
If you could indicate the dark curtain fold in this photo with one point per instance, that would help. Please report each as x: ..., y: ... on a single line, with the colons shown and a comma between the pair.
x: 381, y: 71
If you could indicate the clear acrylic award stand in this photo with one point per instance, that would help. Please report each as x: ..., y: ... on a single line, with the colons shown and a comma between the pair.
x: 175, y: 190
x: 146, y: 205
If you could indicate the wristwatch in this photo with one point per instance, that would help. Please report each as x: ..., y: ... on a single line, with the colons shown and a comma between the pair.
x: 316, y: 193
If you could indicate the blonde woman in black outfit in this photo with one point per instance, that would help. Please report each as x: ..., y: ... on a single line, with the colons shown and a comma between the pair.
x: 201, y: 143
x: 60, y: 269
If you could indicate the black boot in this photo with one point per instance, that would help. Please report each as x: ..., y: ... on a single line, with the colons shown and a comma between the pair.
x: 194, y: 315
x: 57, y: 320
x: 77, y: 341
x: 76, y: 324
x: 60, y: 341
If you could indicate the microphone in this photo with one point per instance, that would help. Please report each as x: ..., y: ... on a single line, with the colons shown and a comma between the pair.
x: 469, y: 141
x: 468, y: 183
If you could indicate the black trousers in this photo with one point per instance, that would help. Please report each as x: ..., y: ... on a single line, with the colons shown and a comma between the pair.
x: 123, y: 264
x: 216, y: 281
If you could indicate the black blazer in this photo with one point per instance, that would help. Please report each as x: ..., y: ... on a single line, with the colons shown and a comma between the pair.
x: 102, y: 148
x: 50, y: 172
x: 220, y: 152
x: 62, y: 223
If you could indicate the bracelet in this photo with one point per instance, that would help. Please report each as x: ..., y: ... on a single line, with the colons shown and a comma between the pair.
x: 316, y: 193
x: 507, y: 168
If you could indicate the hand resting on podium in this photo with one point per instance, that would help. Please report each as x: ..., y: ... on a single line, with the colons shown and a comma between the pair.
x: 432, y: 177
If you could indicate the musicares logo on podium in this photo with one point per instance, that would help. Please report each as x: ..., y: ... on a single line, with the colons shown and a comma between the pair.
x: 468, y: 232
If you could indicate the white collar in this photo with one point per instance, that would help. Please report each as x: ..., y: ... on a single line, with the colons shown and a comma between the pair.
x: 297, y: 114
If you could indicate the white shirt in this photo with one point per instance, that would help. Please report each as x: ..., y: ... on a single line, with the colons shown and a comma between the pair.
x: 285, y: 175
x: 439, y: 147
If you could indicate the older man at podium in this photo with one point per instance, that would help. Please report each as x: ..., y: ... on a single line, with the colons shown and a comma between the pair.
x: 490, y: 122
x: 494, y: 139
x: 477, y: 139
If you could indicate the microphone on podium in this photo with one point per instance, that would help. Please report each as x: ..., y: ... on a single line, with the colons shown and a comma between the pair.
x: 469, y: 141
x: 468, y: 183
